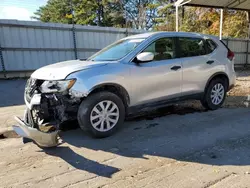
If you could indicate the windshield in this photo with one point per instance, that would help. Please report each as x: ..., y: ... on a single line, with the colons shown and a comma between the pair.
x: 116, y: 50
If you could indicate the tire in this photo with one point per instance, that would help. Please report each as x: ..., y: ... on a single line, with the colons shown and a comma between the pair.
x: 91, y: 106
x: 218, y: 88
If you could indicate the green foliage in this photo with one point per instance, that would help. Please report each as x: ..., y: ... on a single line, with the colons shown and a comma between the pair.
x: 144, y: 14
x: 207, y: 21
x: 236, y: 25
x: 54, y: 11
x: 166, y: 17
x: 139, y: 14
x: 204, y: 20
x: 98, y: 12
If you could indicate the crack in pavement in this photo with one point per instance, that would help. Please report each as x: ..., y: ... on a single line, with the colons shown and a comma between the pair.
x: 212, y: 183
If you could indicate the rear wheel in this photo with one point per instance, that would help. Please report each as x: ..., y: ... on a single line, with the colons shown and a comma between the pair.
x: 215, y: 94
x: 101, y: 114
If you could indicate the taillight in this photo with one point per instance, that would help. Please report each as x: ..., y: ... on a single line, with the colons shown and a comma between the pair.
x: 230, y: 55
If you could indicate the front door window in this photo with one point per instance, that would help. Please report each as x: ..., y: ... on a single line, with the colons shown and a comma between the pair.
x: 162, y: 49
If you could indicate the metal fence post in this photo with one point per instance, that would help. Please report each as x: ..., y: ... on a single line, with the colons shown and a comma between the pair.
x: 74, y: 41
x: 248, y: 37
x: 73, y: 28
x: 227, y: 41
x: 247, y: 53
x: 2, y: 61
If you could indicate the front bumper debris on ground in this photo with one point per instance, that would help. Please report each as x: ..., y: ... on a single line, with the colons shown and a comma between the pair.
x: 42, y: 139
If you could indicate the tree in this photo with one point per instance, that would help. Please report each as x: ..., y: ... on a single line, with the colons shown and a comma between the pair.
x: 85, y: 12
x: 207, y: 21
x: 143, y: 14
x: 139, y: 14
x: 236, y: 24
x: 203, y: 20
x: 166, y: 16
x: 54, y: 11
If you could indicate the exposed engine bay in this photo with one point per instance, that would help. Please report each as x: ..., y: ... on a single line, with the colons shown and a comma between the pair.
x: 49, y: 104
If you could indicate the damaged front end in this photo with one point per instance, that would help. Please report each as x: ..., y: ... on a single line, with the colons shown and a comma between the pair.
x: 49, y: 104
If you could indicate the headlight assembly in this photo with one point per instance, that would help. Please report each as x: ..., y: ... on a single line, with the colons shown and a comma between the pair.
x: 57, y: 86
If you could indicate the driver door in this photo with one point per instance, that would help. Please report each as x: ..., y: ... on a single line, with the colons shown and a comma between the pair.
x: 159, y: 79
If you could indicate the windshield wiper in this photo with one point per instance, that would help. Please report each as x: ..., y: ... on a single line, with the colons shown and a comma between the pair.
x: 82, y: 59
x: 106, y: 60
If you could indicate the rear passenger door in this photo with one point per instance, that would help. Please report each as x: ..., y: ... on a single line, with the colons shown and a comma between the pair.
x: 197, y: 62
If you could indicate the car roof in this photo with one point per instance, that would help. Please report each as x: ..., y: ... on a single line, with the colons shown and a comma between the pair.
x: 164, y: 33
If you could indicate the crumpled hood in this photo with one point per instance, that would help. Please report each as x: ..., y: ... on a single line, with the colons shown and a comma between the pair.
x: 61, y: 70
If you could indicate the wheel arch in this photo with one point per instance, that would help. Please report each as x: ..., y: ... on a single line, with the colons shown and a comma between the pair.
x: 114, y: 88
x: 222, y: 75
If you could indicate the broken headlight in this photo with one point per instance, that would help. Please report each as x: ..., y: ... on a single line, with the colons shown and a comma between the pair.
x: 57, y: 86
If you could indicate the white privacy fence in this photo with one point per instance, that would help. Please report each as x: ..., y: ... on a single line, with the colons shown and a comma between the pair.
x: 241, y: 49
x: 26, y: 45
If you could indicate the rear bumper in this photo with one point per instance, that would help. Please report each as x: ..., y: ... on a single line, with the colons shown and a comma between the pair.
x: 232, y: 81
x: 40, y: 138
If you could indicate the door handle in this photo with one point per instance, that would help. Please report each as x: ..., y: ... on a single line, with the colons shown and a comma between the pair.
x: 175, y: 68
x: 210, y: 62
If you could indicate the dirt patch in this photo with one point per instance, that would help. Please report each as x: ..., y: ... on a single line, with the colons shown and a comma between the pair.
x: 8, y: 134
x: 238, y: 96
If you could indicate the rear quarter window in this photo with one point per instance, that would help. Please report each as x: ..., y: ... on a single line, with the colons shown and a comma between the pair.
x: 211, y: 46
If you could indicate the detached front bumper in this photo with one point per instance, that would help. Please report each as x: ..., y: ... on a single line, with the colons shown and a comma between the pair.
x: 40, y: 138
x: 26, y: 130
x: 45, y: 110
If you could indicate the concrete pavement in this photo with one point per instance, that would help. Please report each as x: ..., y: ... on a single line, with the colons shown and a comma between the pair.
x: 208, y: 149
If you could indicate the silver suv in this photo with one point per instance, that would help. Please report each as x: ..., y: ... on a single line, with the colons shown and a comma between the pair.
x: 132, y: 74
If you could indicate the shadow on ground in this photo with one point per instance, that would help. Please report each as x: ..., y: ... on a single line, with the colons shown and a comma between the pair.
x: 80, y: 162
x: 214, y: 138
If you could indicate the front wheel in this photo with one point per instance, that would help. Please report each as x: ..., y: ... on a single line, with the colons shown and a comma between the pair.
x: 101, y: 114
x: 215, y: 94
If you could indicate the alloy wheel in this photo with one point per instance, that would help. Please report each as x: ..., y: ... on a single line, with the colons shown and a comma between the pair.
x: 217, y: 93
x: 104, y: 116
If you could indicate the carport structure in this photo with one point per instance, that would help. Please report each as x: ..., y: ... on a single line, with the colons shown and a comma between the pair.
x: 221, y: 4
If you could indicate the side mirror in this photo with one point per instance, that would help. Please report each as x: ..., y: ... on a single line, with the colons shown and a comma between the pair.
x: 145, y: 57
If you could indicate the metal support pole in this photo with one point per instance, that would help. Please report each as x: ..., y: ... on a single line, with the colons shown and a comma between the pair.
x: 221, y: 23
x: 177, y: 18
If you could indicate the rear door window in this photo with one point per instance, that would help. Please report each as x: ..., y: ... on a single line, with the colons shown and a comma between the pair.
x: 190, y: 47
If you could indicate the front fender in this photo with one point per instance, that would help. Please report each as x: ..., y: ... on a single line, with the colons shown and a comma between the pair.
x: 87, y: 81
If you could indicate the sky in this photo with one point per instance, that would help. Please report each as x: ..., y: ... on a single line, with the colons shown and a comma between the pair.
x: 19, y: 9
